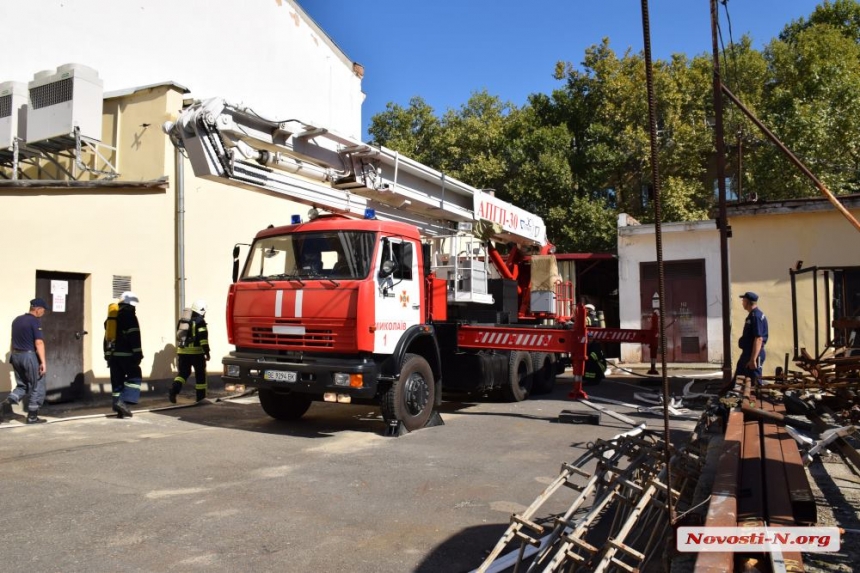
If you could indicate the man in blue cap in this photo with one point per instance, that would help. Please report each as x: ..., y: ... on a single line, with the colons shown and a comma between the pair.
x: 28, y: 361
x: 753, y: 340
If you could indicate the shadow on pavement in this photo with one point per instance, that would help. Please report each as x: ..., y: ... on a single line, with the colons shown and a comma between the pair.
x: 463, y: 551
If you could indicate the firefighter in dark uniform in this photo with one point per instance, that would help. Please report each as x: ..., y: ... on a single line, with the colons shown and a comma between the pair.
x: 124, y: 360
x: 595, y: 364
x: 194, y: 355
x: 28, y: 362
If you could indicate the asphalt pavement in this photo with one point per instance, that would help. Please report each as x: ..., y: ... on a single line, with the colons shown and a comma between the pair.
x: 220, y: 486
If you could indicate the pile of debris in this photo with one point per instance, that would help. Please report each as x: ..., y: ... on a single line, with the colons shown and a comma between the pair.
x: 822, y: 397
x: 832, y: 369
x: 742, y: 466
x: 617, y: 516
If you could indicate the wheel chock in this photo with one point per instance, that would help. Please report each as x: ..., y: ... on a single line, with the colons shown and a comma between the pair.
x: 396, y: 428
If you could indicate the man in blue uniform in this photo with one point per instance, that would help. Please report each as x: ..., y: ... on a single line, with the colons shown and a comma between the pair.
x: 28, y: 361
x: 753, y: 340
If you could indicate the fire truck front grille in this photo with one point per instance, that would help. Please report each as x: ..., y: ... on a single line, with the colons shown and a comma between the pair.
x: 311, y: 339
x: 332, y: 336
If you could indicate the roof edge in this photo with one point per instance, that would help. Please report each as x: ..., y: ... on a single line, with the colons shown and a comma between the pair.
x: 130, y: 91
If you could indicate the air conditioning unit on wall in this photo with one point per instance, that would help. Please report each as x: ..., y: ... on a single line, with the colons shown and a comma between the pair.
x: 13, y: 112
x: 72, y: 96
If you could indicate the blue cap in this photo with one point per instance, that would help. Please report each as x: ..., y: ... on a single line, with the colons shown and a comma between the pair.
x: 751, y: 296
x: 38, y: 302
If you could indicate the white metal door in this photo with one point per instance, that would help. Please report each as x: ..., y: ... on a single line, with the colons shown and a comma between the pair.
x: 398, y: 300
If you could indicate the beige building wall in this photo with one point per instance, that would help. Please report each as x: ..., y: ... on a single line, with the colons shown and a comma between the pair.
x: 103, y: 231
x: 129, y: 227
x: 770, y: 239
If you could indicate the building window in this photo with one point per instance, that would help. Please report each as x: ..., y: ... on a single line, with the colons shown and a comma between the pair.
x: 731, y: 194
x: 647, y: 194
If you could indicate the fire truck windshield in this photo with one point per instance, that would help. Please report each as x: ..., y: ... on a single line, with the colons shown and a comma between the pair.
x: 341, y: 255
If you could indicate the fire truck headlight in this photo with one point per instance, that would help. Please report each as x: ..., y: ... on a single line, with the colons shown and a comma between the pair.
x: 340, y: 379
x: 232, y: 370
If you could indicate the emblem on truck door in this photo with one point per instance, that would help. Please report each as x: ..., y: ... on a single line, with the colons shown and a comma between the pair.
x: 404, y: 299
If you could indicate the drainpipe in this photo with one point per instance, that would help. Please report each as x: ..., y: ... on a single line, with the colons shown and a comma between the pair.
x: 180, y: 229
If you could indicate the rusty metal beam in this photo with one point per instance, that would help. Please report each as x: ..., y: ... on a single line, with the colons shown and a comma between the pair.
x: 779, y: 511
x: 774, y: 418
x: 723, y: 508
x: 751, y: 490
x: 802, y: 499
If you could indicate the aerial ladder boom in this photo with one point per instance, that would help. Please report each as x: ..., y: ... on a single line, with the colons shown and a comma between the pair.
x: 319, y: 168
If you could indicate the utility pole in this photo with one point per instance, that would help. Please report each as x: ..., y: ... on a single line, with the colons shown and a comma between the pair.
x: 722, y: 220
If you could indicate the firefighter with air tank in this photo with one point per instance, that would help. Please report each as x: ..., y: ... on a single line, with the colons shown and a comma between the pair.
x: 192, y: 351
x: 595, y: 365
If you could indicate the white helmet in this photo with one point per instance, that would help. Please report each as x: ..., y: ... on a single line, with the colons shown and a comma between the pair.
x: 589, y: 306
x: 199, y: 307
x: 129, y: 297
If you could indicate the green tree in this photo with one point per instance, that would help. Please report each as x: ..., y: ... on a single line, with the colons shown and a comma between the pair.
x: 473, y: 142
x: 811, y: 102
x: 843, y: 15
x: 413, y: 130
x: 581, y: 154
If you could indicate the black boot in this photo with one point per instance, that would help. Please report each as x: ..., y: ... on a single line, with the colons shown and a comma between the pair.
x: 175, y: 389
x: 33, y: 418
x: 122, y: 410
x: 5, y: 410
x: 201, y: 395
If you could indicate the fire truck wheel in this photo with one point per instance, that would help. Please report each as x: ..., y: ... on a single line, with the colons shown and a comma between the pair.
x: 410, y: 399
x: 544, y: 372
x: 282, y: 406
x: 518, y: 386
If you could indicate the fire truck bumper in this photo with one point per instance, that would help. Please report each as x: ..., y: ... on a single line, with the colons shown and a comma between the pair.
x: 357, y: 378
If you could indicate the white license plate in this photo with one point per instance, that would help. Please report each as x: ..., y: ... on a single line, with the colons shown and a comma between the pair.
x: 280, y: 376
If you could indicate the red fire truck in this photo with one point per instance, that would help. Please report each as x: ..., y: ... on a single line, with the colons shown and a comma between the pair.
x: 390, y: 290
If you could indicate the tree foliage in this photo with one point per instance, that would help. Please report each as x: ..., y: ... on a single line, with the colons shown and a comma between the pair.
x: 580, y: 155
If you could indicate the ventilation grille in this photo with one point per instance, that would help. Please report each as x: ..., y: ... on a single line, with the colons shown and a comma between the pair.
x: 52, y: 93
x: 120, y: 285
x: 6, y: 105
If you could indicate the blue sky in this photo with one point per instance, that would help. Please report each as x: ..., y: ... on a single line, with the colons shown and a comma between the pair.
x: 444, y: 50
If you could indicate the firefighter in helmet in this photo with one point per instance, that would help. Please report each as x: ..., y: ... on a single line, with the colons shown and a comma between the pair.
x: 192, y: 353
x: 124, y: 360
x: 595, y: 364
